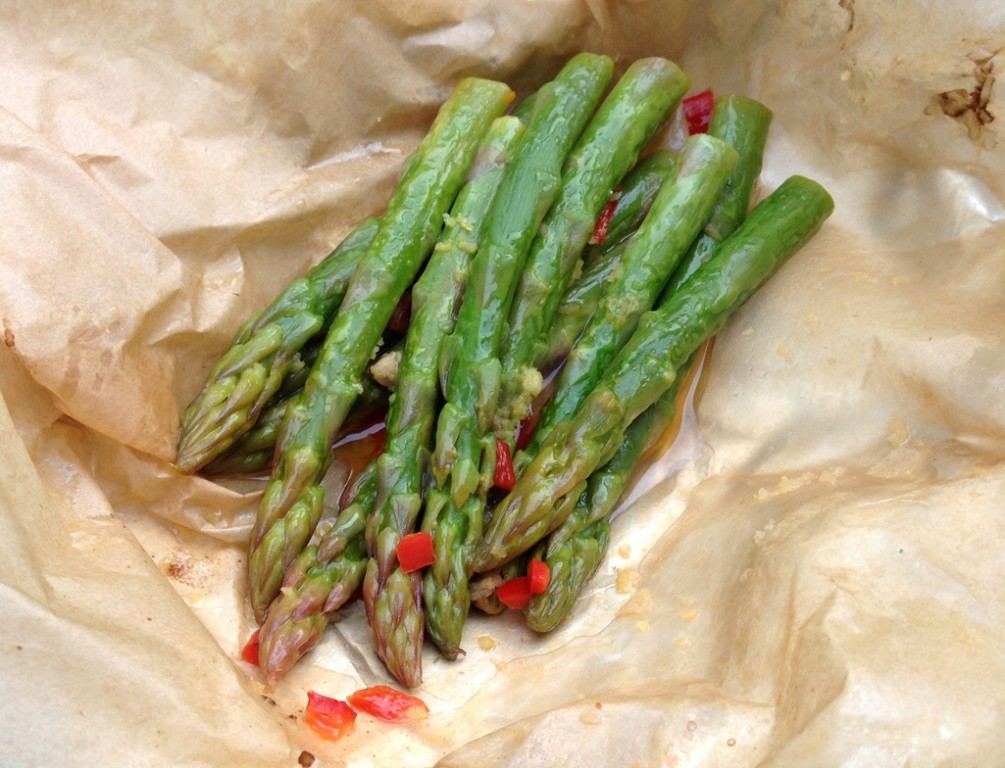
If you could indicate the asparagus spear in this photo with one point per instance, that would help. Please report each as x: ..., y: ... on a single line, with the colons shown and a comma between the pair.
x: 743, y: 124
x: 464, y: 449
x: 316, y: 584
x: 607, y: 150
x: 255, y: 449
x: 392, y: 597
x: 263, y: 352
x: 679, y: 212
x: 291, y: 504
x: 391, y: 484
x: 638, y: 191
x: 647, y: 366
x: 575, y: 549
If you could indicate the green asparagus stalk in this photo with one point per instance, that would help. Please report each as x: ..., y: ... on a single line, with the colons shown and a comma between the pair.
x: 392, y: 597
x: 600, y: 262
x: 317, y: 583
x: 291, y: 504
x: 743, y: 124
x: 609, y: 147
x: 573, y: 551
x: 464, y: 451
x: 677, y: 216
x: 263, y: 352
x: 647, y: 366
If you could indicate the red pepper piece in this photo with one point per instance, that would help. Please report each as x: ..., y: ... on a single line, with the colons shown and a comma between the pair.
x: 415, y: 551
x: 505, y: 475
x: 387, y: 704
x: 540, y: 576
x: 331, y: 718
x: 250, y: 651
x: 402, y: 314
x: 698, y: 111
x: 604, y: 221
x: 515, y: 593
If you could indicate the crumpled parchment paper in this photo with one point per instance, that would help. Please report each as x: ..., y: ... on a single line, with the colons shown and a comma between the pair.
x: 810, y: 575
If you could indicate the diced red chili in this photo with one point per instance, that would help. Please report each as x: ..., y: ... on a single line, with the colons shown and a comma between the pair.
x: 388, y: 704
x: 540, y: 576
x: 250, y: 651
x: 331, y: 718
x: 698, y: 111
x: 515, y: 593
x: 415, y: 551
x: 505, y: 474
x: 604, y: 221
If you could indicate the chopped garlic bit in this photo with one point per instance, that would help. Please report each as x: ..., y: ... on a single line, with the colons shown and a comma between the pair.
x: 385, y: 370
x: 627, y: 580
x: 487, y: 642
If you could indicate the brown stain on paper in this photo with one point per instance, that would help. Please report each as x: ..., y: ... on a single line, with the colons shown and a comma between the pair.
x: 969, y: 107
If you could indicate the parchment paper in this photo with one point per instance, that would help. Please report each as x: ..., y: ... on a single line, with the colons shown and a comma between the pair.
x: 811, y: 575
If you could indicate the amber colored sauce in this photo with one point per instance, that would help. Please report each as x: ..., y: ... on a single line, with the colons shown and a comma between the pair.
x: 360, y: 441
x: 691, y: 389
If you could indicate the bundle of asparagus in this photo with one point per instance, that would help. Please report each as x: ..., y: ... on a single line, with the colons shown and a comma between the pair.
x: 532, y: 243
